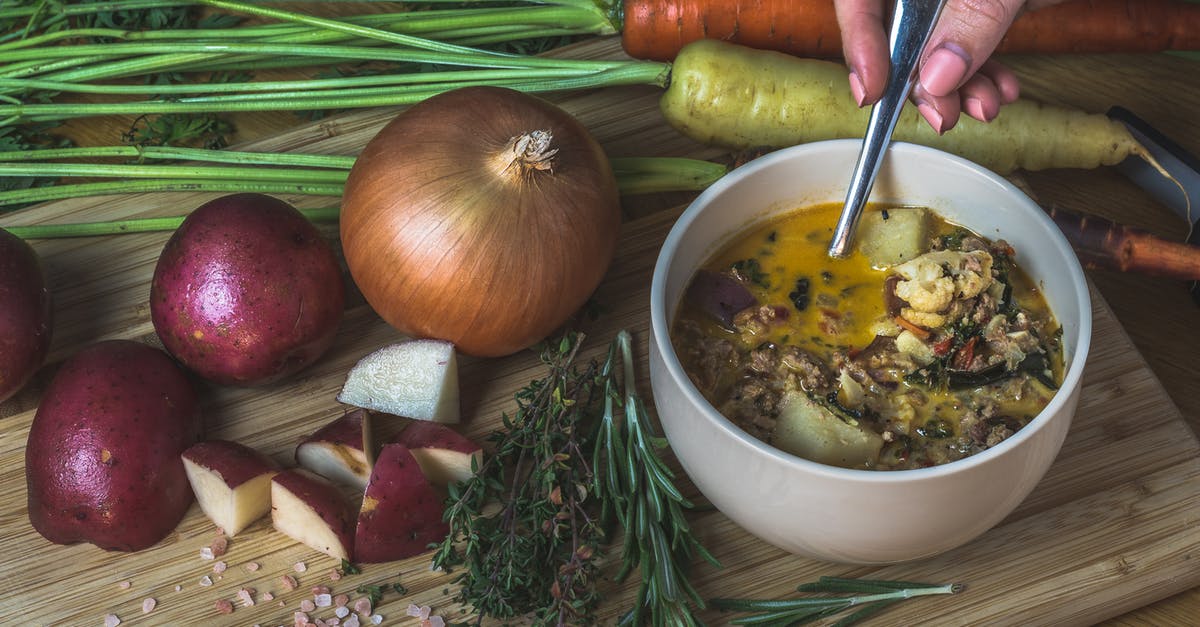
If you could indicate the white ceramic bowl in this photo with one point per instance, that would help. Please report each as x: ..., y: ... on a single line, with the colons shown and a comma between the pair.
x: 860, y: 516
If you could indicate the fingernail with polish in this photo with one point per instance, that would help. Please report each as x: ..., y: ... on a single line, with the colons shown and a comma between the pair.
x: 945, y: 69
x: 857, y: 89
x: 931, y: 115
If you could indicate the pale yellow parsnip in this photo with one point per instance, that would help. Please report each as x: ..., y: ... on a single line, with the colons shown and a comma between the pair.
x: 735, y: 97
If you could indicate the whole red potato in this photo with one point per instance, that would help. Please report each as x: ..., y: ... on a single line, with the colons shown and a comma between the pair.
x: 247, y: 291
x: 25, y: 314
x: 102, y: 463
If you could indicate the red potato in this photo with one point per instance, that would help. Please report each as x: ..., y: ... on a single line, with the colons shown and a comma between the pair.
x: 342, y: 450
x: 311, y: 510
x: 415, y: 379
x: 247, y: 291
x: 445, y: 455
x: 231, y: 481
x: 25, y: 314
x: 103, y: 457
x: 401, y: 512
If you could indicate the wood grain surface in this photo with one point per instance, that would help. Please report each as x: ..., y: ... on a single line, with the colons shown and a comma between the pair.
x: 1109, y: 533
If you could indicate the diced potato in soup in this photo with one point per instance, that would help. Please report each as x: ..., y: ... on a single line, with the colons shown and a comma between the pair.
x: 926, y: 345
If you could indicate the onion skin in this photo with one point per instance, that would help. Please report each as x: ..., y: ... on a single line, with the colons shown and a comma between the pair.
x: 445, y: 243
x: 25, y: 314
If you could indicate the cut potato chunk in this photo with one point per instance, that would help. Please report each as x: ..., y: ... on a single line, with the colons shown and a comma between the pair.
x: 342, y: 450
x: 811, y: 431
x: 232, y: 482
x: 415, y: 379
x: 894, y: 235
x: 309, y: 509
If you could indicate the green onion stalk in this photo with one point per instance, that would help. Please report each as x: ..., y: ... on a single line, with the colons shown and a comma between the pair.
x: 312, y: 41
x: 129, y: 53
x: 234, y: 171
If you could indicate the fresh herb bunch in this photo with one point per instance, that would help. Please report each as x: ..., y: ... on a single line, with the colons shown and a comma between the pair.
x: 526, y: 521
x: 579, y: 454
x: 868, y: 596
x: 637, y: 487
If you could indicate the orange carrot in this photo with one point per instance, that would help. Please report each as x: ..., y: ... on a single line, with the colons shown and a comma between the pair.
x: 657, y: 29
x: 1106, y: 26
x: 1104, y: 244
x: 921, y: 332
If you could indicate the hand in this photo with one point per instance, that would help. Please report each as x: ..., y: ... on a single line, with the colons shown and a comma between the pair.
x: 954, y: 74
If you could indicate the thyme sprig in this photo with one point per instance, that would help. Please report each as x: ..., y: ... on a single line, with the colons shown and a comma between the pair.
x: 869, y: 596
x: 524, y: 527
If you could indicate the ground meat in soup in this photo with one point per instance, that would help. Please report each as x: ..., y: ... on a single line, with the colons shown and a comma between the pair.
x: 941, y: 355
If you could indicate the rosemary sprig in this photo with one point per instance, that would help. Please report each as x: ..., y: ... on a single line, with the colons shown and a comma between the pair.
x: 869, y: 596
x: 637, y: 487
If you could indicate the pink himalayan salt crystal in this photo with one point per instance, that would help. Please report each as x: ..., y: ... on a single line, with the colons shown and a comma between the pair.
x: 148, y: 605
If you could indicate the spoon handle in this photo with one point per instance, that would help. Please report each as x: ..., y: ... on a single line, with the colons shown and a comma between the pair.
x: 912, y: 24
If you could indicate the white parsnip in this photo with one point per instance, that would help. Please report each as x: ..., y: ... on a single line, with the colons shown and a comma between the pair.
x: 736, y: 97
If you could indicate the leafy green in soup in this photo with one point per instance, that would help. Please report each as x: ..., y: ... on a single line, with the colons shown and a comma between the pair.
x: 926, y: 345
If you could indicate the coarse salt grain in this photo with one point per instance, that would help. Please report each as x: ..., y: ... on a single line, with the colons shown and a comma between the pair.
x: 267, y: 596
x: 362, y: 606
x: 323, y: 600
x: 435, y: 621
x: 376, y: 619
x: 341, y: 600
x: 342, y: 611
x: 288, y: 582
x: 148, y: 605
x: 219, y: 545
x: 111, y: 620
x: 178, y: 587
x: 252, y: 567
x: 206, y: 581
x: 224, y: 606
x: 247, y: 596
x: 352, y: 621
x: 206, y: 553
x: 124, y: 585
x: 416, y: 611
x: 300, y: 567
x: 220, y: 567
x: 320, y: 590
x: 300, y: 619
x: 334, y: 575
x: 307, y: 605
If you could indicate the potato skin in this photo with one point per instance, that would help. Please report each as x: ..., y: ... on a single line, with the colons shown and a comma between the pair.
x: 103, y: 462
x: 247, y: 291
x: 401, y: 513
x: 25, y: 314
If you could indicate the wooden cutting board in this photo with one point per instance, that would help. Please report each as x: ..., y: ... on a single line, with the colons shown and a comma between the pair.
x: 1112, y: 527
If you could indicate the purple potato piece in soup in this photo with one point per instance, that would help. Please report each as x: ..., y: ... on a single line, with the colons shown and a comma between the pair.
x: 25, y: 314
x: 719, y: 295
x: 247, y: 291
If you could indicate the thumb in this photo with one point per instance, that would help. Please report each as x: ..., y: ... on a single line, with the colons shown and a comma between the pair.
x: 965, y: 36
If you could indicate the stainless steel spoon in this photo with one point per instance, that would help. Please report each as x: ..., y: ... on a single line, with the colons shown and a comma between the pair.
x: 912, y: 23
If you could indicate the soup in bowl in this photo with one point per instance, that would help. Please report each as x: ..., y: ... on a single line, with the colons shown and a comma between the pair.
x: 880, y: 408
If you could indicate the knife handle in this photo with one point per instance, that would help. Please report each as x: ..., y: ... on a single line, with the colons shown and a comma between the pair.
x: 1103, y: 244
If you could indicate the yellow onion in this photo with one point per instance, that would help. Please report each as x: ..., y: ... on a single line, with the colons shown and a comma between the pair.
x: 482, y: 216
